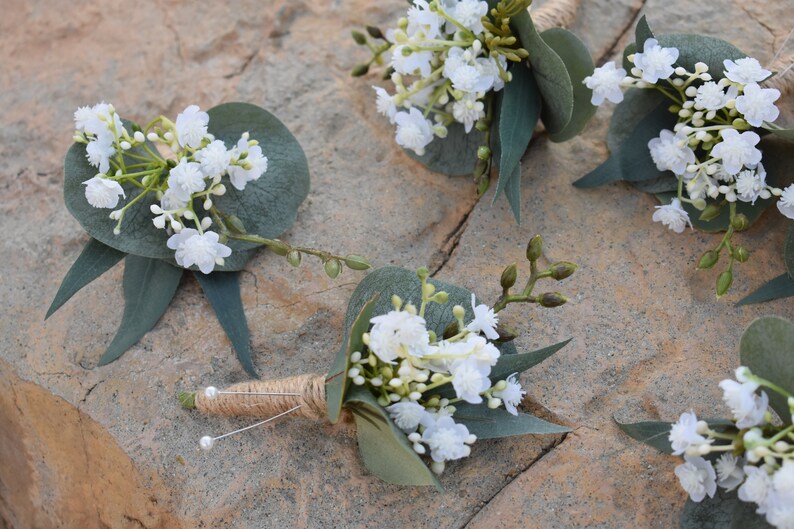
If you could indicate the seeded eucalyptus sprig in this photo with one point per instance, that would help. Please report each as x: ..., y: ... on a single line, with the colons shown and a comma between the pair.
x: 557, y: 271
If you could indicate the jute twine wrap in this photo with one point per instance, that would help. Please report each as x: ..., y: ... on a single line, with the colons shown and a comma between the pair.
x: 311, y: 398
x: 784, y: 82
x: 555, y: 14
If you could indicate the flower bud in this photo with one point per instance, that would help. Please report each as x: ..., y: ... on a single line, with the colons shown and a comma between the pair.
x: 383, y: 401
x: 234, y: 222
x: 483, y: 152
x: 699, y: 204
x: 359, y: 380
x: 741, y: 254
x: 506, y: 334
x: 206, y: 222
x: 459, y: 312
x: 414, y: 437
x: 422, y: 272
x: 375, y: 32
x: 332, y: 268
x: 428, y: 290
x: 535, y: 248
x: 710, y: 212
x: 509, y: 276
x: 356, y: 262
x: 355, y: 357
x: 451, y: 330
x: 552, y: 299
x: 396, y: 382
x: 708, y: 260
x: 501, y: 385
x: 358, y: 37
x: 419, y: 448
x: 294, y: 258
x: 562, y: 269
x: 360, y: 70
x: 207, y: 204
x: 494, y: 403
x: 441, y: 297
x: 740, y: 222
x: 724, y: 282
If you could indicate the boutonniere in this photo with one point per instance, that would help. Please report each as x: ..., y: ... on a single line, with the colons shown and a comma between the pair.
x: 199, y: 193
x: 468, y: 81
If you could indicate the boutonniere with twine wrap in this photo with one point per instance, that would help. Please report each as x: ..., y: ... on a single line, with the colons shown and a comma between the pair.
x: 200, y: 193
x: 739, y: 472
x: 470, y: 79
x: 422, y: 382
x: 696, y: 128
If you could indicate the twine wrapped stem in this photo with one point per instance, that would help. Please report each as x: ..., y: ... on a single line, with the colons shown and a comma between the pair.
x: 555, y: 14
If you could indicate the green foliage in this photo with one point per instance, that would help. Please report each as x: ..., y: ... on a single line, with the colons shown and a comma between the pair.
x: 642, y: 33
x: 653, y: 433
x: 455, y: 155
x: 385, y: 449
x: 493, y: 424
x: 149, y: 286
x: 767, y: 348
x: 778, y: 288
x: 724, y: 511
x: 721, y: 221
x: 95, y: 259
x: 223, y: 292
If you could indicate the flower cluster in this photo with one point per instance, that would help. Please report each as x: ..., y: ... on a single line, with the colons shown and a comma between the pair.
x: 405, y: 365
x: 190, y: 174
x: 712, y: 149
x: 756, y: 455
x: 446, y: 58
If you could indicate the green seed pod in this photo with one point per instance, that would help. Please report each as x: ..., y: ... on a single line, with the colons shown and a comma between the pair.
x: 741, y: 254
x: 234, y: 222
x: 535, y: 248
x: 356, y: 262
x: 170, y: 163
x: 699, y: 204
x: 708, y: 260
x: 332, y: 268
x: 432, y: 335
x: 506, y: 334
x: 552, y: 299
x: 561, y: 270
x: 358, y: 37
x: 294, y: 258
x: 740, y: 222
x: 360, y: 70
x: 483, y: 152
x: 509, y: 276
x: 712, y: 211
x: 279, y: 248
x: 724, y: 282
x: 451, y: 330
x: 422, y: 272
x: 375, y: 32
x: 441, y: 297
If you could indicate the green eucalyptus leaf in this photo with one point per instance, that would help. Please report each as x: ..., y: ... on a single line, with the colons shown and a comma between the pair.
x: 642, y: 33
x: 95, y: 259
x: 520, y: 362
x: 550, y: 73
x: 149, y: 286
x: 631, y: 49
x: 492, y: 424
x: 579, y: 65
x: 653, y: 433
x: 455, y: 155
x: 267, y: 206
x: 337, y: 383
x: 767, y: 348
x: 385, y: 449
x: 662, y: 184
x: 223, y: 292
x: 513, y: 193
x: 636, y: 105
x: 780, y: 287
x: 777, y: 131
x: 788, y: 250
x: 724, y: 510
x: 721, y: 221
x: 701, y: 48
x: 519, y: 110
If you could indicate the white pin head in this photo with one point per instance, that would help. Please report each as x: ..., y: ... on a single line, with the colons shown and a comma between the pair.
x: 211, y: 392
x: 206, y: 442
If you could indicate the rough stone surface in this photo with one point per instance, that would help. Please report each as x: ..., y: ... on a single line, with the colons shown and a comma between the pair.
x: 84, y: 446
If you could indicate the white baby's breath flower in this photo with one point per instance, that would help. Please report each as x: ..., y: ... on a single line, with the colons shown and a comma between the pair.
x: 103, y: 192
x: 467, y: 111
x: 253, y: 165
x: 783, y: 480
x: 745, y: 71
x: 512, y: 394
x: 729, y: 471
x: 412, y: 62
x: 683, y: 434
x: 750, y: 183
x: 468, y: 13
x: 185, y: 179
x: 413, y: 131
x: 655, y: 62
x: 605, y: 83
x: 485, y: 320
x: 737, y: 150
x: 489, y: 68
x: 398, y: 334
x: 786, y: 202
x: 481, y: 351
x: 446, y: 440
x: 98, y: 121
x: 672, y: 215
x: 470, y: 378
x: 710, y: 96
x: 780, y: 510
x: 748, y: 408
x: 202, y: 250
x: 99, y: 151
x: 756, y: 487
x: 697, y: 477
x: 191, y: 127
x: 758, y: 104
x: 671, y: 152
x: 422, y: 19
x: 407, y: 415
x: 385, y: 103
x: 214, y: 158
